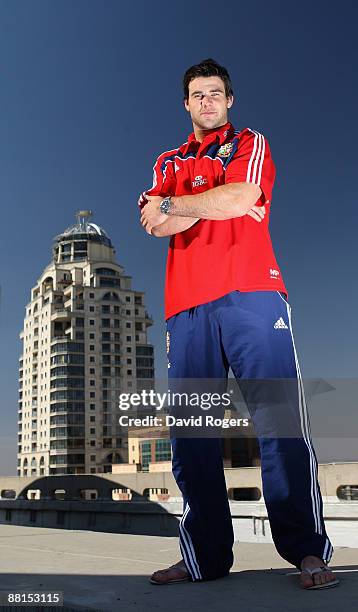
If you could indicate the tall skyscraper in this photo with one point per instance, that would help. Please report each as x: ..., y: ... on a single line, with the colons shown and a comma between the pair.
x: 84, y: 341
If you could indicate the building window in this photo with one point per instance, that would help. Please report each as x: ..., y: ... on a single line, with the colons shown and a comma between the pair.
x: 92, y: 418
x: 91, y: 336
x: 348, y: 492
x: 91, y: 308
x: 129, y: 338
x: 91, y: 296
x: 92, y: 371
x: 162, y: 450
x: 91, y: 347
x: 80, y: 322
x: 128, y: 325
x: 91, y: 321
x: 93, y: 443
x: 92, y: 359
x: 92, y: 383
x: 92, y: 394
x: 144, y: 350
x: 92, y: 431
x: 106, y: 271
x: 128, y: 298
x: 146, y: 455
x: 92, y: 406
x: 93, y: 458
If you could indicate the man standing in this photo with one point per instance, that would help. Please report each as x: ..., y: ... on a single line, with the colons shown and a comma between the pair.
x: 226, y: 306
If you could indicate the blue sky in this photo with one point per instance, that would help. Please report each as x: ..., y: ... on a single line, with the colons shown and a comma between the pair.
x: 91, y: 94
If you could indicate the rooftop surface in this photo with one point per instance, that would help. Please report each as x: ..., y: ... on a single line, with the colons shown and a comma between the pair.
x: 106, y: 571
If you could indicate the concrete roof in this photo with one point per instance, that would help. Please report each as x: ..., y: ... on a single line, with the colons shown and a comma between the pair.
x: 107, y: 571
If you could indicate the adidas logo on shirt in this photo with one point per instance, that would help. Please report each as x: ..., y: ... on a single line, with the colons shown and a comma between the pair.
x: 280, y: 324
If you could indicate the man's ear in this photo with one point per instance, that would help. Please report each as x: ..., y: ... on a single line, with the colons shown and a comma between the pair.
x: 230, y: 101
x: 186, y: 105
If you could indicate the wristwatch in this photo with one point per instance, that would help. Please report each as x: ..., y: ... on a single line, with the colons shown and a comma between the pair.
x: 165, y: 205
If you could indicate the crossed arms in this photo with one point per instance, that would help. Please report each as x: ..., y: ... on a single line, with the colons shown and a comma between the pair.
x: 220, y: 203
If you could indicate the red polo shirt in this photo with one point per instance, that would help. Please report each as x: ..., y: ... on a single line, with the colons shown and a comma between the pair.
x: 213, y: 258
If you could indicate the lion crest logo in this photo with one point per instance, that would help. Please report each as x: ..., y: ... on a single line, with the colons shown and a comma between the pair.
x: 225, y: 150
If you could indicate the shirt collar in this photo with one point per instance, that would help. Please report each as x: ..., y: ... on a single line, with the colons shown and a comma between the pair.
x: 221, y: 134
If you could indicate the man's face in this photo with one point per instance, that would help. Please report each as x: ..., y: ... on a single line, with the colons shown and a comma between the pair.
x: 207, y: 102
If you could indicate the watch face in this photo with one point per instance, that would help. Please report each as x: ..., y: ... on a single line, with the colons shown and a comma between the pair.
x: 165, y: 205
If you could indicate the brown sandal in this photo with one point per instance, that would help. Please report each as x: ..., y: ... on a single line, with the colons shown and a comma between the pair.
x: 179, y: 565
x: 317, y: 570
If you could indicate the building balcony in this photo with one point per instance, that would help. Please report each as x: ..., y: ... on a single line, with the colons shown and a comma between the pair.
x: 65, y: 282
x: 146, y: 318
x: 61, y: 315
x: 59, y: 338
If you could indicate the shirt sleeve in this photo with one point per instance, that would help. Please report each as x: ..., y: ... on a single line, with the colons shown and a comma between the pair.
x: 251, y: 162
x: 164, y: 181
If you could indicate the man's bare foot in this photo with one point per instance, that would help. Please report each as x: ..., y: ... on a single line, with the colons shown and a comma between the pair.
x: 173, y: 574
x: 310, y: 562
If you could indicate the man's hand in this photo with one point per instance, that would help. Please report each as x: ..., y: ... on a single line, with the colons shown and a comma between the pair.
x: 257, y: 213
x: 151, y: 216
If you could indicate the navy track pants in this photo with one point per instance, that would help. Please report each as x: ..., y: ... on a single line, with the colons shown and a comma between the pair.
x: 251, y: 332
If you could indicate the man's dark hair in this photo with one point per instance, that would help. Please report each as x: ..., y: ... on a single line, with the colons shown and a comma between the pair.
x: 207, y: 68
